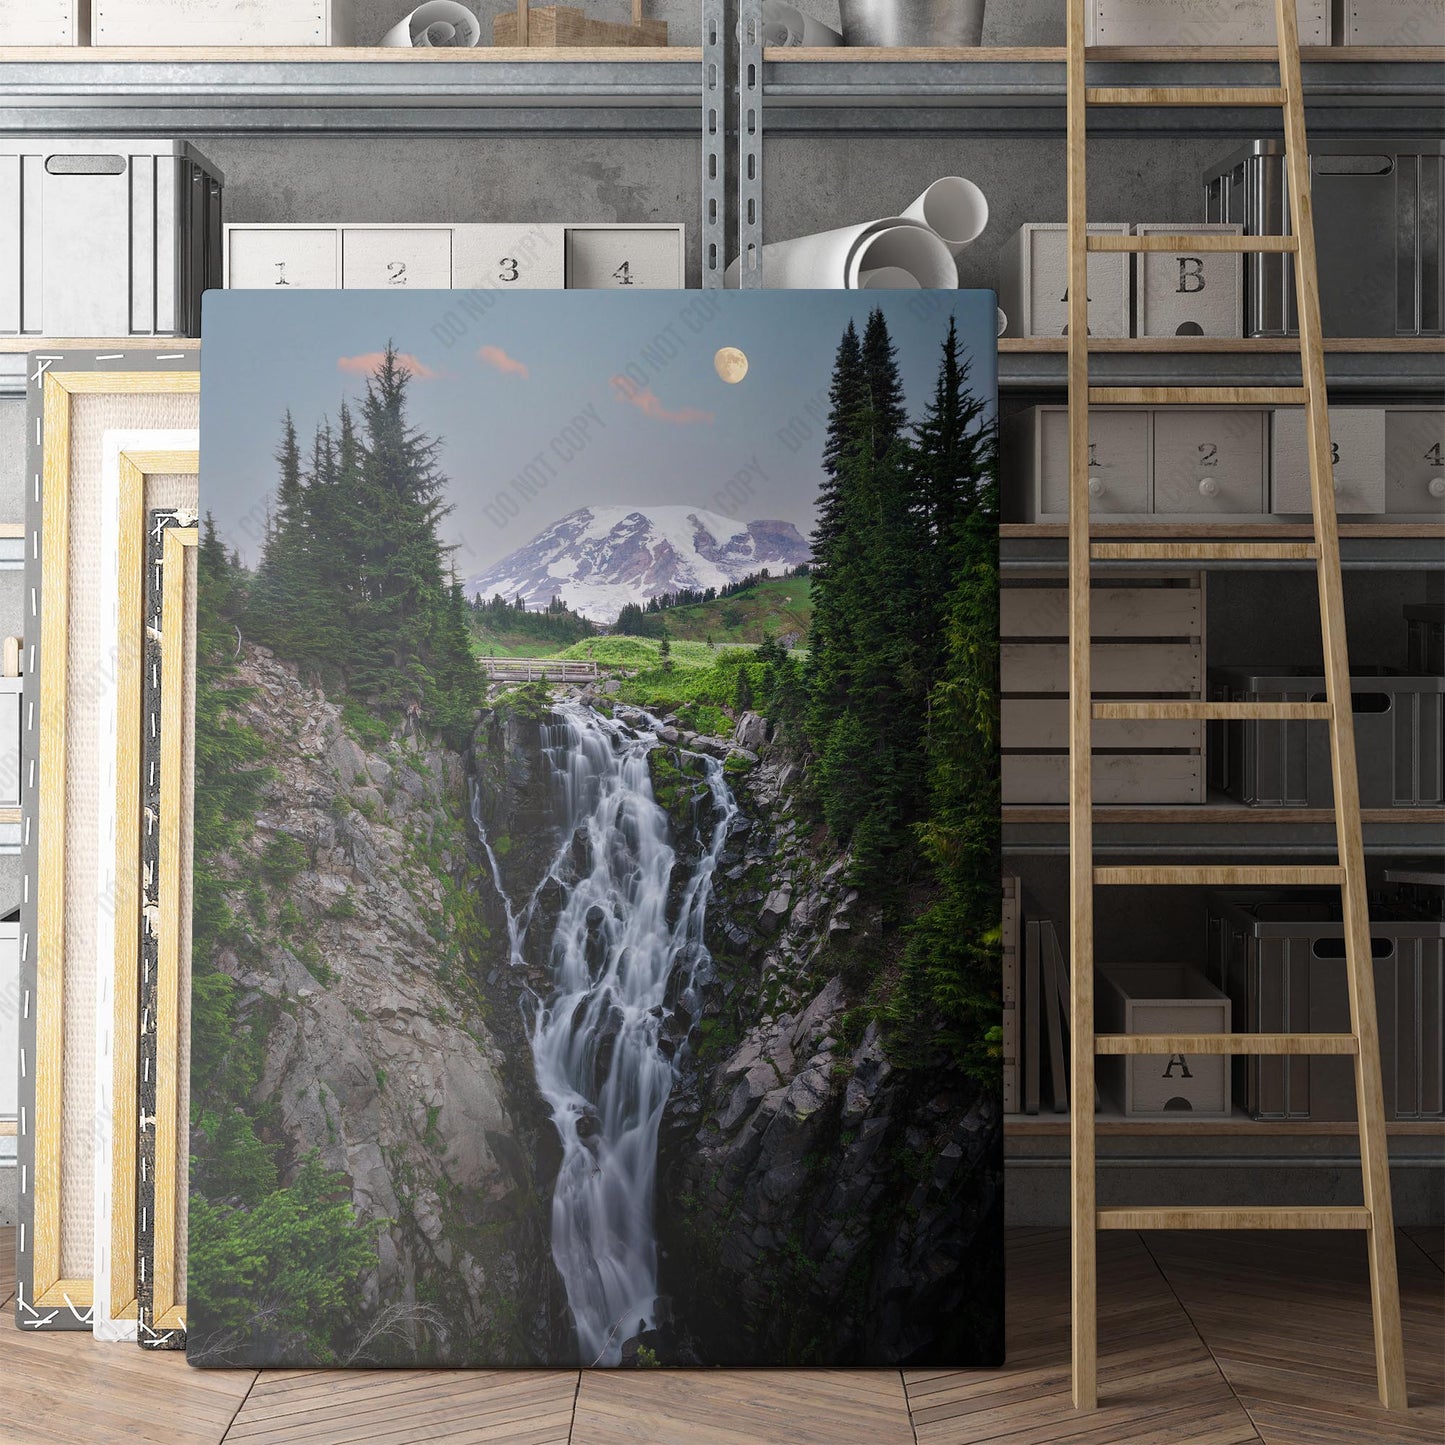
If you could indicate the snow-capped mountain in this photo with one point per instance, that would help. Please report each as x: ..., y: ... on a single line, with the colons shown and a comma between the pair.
x: 597, y: 559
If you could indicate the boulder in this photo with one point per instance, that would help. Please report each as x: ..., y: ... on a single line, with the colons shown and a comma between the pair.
x: 751, y: 732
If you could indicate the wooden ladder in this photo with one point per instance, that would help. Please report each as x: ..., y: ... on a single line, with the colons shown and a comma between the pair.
x: 1348, y: 874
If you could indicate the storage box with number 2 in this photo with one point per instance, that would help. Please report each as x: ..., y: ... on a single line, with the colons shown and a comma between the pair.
x: 1150, y: 998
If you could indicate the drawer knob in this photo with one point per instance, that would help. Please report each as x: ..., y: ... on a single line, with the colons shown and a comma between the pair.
x: 1437, y: 486
x: 1096, y: 486
x: 1208, y: 487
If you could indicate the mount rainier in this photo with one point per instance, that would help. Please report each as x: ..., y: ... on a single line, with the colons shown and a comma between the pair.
x: 597, y: 559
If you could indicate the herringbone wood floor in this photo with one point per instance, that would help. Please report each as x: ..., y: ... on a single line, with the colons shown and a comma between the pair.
x: 1205, y: 1340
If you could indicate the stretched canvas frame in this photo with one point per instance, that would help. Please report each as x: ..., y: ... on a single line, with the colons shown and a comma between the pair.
x: 163, y: 932
x: 141, y: 469
x: 74, y: 399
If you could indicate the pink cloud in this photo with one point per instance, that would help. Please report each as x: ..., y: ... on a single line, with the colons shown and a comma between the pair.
x: 367, y: 363
x: 494, y: 356
x: 647, y: 402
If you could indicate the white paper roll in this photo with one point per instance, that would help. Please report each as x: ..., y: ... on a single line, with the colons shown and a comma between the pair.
x: 786, y: 25
x: 1002, y: 321
x: 836, y: 260
x: 437, y: 25
x: 887, y: 278
x: 955, y: 209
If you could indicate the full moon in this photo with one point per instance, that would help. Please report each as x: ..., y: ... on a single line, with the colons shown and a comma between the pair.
x: 731, y: 364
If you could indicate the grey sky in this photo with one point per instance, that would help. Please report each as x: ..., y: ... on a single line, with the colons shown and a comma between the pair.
x: 523, y: 388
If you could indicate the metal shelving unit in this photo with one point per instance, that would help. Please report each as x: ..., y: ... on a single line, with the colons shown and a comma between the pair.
x: 1022, y: 92
x: 1361, y: 369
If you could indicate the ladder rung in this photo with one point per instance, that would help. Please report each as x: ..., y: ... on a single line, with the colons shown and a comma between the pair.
x: 1198, y: 395
x: 1251, y: 876
x: 1267, y: 1044
x: 1185, y: 95
x: 1223, y: 1217
x: 1184, y: 241
x: 1205, y: 551
x: 1159, y: 711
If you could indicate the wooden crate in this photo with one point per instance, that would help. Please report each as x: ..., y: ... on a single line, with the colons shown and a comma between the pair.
x: 551, y: 26
x: 1148, y: 643
x: 1389, y: 22
x: 1153, y: 998
x: 1189, y: 22
x: 222, y: 22
x: 44, y: 22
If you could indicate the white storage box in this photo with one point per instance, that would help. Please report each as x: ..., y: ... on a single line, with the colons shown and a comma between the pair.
x: 517, y: 255
x: 1038, y: 451
x: 1190, y: 22
x: 106, y: 237
x: 1149, y: 998
x: 1034, y: 282
x: 1357, y: 439
x: 509, y: 257
x: 1389, y: 22
x: 1415, y: 460
x: 603, y: 256
x: 1209, y: 463
x: 1189, y: 293
x: 43, y: 22
x: 221, y: 22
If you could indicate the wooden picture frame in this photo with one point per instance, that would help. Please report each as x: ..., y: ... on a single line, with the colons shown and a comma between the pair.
x: 74, y: 398
x: 166, y: 763
x: 142, y: 469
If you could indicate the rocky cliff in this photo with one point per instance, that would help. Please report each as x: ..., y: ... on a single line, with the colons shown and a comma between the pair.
x: 817, y: 1203
x: 378, y: 1051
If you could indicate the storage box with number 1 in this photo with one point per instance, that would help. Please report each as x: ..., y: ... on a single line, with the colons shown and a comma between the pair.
x: 537, y: 256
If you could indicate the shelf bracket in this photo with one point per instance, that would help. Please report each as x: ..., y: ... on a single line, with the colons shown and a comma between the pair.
x: 750, y: 144
x: 714, y: 143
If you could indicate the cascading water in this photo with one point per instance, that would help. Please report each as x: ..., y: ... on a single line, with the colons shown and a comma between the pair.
x: 623, y: 928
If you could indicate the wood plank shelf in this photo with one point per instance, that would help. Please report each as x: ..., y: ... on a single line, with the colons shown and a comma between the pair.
x: 1051, y: 1125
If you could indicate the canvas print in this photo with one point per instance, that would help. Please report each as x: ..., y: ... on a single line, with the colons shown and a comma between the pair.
x: 596, y: 877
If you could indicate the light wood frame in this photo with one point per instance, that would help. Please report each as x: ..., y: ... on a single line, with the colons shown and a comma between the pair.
x: 168, y: 1307
x: 134, y: 467
x: 45, y: 1298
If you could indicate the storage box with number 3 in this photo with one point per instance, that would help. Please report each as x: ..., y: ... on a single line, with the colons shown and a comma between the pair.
x: 508, y: 257
x: 605, y: 256
x: 1357, y: 445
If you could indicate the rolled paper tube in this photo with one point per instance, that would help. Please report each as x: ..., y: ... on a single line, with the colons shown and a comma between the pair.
x: 786, y: 25
x: 887, y: 278
x: 1002, y: 321
x: 835, y: 260
x: 954, y: 209
x: 903, y: 245
x: 437, y: 25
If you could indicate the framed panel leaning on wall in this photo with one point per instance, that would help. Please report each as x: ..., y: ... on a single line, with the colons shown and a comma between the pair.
x: 75, y: 399
x: 142, y: 471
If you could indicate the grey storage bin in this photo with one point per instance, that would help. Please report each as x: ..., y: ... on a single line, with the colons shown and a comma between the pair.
x: 1377, y: 211
x: 106, y: 238
x: 1425, y: 637
x: 1280, y: 958
x: 1399, y: 739
x: 1152, y: 998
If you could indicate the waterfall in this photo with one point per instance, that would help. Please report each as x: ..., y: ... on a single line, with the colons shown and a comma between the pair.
x: 596, y: 1040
